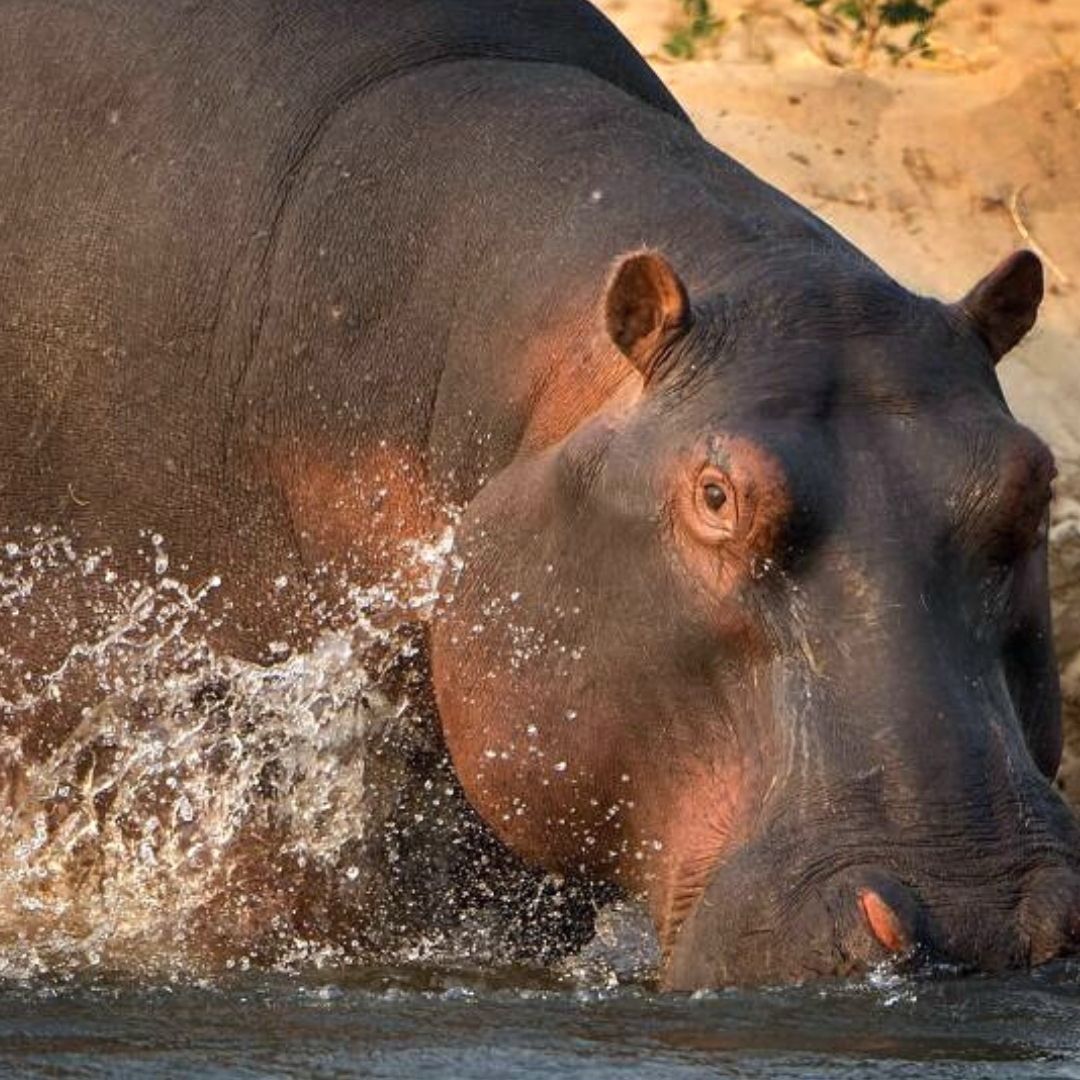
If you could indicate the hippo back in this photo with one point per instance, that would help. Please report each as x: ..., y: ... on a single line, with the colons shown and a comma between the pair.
x: 342, y: 46
x: 149, y: 154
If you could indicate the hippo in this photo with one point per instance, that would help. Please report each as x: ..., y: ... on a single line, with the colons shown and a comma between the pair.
x: 745, y: 610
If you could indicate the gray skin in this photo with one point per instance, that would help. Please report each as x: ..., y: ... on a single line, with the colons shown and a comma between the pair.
x: 296, y: 284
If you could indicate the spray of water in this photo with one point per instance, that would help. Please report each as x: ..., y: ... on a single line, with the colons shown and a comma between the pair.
x: 199, y: 811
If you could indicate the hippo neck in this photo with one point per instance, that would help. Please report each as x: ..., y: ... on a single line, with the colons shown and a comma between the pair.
x: 445, y: 287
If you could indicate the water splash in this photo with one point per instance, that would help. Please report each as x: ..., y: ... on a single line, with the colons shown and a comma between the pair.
x: 199, y: 810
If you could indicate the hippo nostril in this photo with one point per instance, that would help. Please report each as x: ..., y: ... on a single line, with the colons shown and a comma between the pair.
x: 885, y: 923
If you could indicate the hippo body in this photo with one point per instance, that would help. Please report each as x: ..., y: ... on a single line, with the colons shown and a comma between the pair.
x: 747, y: 611
x: 177, y: 182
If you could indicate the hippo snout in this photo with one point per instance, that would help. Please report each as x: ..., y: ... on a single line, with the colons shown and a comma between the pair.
x: 1044, y: 925
x: 766, y: 924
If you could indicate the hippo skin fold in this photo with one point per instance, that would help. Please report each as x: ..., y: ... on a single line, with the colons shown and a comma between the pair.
x: 747, y: 606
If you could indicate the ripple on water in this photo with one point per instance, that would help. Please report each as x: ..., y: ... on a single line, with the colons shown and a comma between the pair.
x: 406, y: 1022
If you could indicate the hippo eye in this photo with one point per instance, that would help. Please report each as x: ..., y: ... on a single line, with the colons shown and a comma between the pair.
x: 714, y: 514
x: 1023, y: 518
x: 715, y: 497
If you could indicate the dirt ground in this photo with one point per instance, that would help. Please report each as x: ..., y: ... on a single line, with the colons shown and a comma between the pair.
x: 937, y: 167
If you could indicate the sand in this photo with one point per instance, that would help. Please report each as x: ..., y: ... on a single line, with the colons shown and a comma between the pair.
x: 935, y: 167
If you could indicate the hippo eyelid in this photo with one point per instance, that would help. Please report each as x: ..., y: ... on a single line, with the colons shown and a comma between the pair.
x: 1005, y: 493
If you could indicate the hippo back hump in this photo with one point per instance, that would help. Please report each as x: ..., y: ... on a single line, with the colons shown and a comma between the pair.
x: 571, y: 32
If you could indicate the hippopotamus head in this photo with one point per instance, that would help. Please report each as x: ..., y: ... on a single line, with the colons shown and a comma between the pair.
x: 766, y: 638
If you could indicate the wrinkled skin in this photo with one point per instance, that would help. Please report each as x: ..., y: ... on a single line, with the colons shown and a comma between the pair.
x: 816, y: 723
x: 748, y: 611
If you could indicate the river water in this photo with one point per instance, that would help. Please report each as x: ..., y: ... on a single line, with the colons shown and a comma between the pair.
x: 427, y: 1023
x: 213, y: 868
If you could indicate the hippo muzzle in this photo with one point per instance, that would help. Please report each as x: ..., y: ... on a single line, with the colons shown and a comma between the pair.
x: 784, y: 911
x: 904, y: 819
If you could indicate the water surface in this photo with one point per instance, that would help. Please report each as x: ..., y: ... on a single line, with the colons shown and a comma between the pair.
x: 198, y: 813
x: 423, y: 1023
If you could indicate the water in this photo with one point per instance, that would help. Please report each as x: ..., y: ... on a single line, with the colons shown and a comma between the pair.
x: 212, y: 868
x: 165, y: 806
x: 428, y: 1023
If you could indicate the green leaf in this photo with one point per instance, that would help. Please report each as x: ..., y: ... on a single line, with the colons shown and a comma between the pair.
x: 680, y: 45
x: 697, y: 10
x: 861, y: 20
x: 903, y: 12
x: 853, y: 10
x: 701, y: 25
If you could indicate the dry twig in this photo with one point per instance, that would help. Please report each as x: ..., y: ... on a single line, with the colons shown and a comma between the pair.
x: 1016, y: 212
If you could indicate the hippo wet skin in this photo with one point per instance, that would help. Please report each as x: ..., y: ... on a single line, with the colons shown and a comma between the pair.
x: 747, y: 611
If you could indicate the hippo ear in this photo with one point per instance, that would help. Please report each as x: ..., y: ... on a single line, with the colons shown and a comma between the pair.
x: 646, y: 308
x: 1004, y: 304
